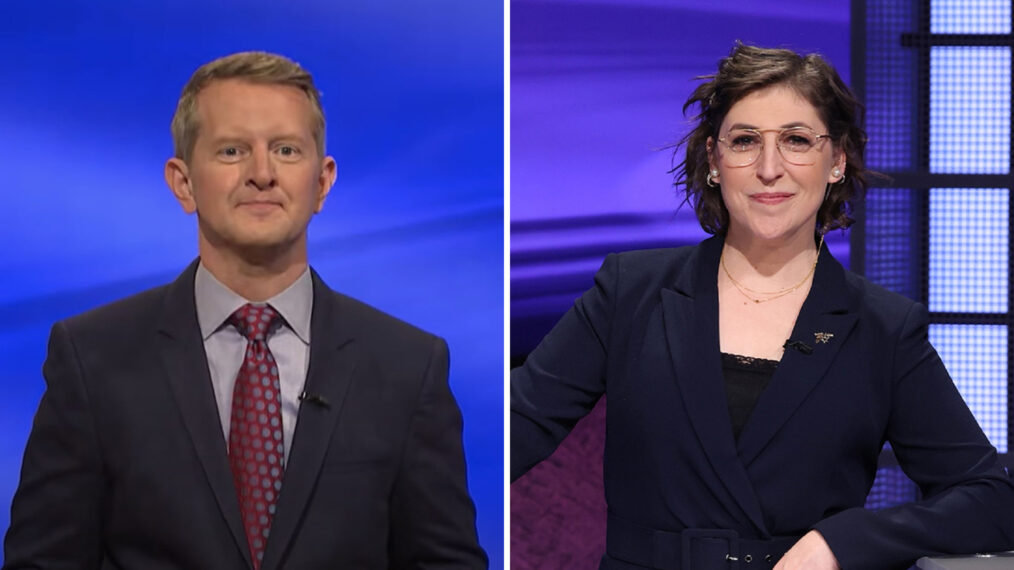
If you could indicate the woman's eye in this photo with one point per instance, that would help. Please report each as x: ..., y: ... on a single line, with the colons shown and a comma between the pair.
x: 799, y: 140
x: 744, y: 142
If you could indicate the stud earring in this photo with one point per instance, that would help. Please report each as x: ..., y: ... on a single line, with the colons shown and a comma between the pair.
x: 836, y: 172
x: 711, y: 176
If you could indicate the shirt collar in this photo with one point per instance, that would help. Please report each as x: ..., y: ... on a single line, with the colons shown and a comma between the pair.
x: 216, y: 302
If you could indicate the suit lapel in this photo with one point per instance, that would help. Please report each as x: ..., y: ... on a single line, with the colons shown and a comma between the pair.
x: 690, y: 312
x: 332, y: 363
x: 824, y: 321
x: 186, y: 364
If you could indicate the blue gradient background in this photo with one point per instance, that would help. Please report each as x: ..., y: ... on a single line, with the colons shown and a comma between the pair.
x: 414, y: 98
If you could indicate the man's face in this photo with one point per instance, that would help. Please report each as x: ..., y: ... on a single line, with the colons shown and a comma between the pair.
x: 254, y: 177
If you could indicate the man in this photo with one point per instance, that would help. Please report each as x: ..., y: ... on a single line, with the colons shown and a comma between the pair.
x: 245, y: 415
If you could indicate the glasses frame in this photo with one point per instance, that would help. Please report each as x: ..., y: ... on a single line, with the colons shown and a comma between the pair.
x: 778, y: 144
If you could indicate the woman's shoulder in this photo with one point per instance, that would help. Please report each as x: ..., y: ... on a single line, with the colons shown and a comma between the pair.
x: 634, y: 277
x: 879, y: 302
x: 647, y: 265
x: 656, y: 258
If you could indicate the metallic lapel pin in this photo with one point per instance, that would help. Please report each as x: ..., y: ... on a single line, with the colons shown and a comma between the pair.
x: 822, y: 337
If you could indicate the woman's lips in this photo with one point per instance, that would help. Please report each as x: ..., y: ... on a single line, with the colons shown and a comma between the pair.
x: 771, y: 198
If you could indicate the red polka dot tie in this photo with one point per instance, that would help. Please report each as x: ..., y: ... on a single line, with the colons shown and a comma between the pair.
x: 255, y: 432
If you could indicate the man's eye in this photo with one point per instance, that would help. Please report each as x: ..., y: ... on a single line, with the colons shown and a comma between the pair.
x: 288, y: 150
x: 229, y: 151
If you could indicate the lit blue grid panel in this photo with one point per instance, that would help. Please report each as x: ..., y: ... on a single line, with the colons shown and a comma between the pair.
x: 970, y: 110
x: 892, y: 82
x: 976, y: 357
x: 891, y: 228
x: 968, y: 249
x: 891, y: 488
x: 970, y: 16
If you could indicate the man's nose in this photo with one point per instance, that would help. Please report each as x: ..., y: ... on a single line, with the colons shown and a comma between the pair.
x: 262, y: 170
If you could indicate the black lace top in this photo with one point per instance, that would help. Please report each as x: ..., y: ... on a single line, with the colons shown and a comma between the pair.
x: 745, y: 379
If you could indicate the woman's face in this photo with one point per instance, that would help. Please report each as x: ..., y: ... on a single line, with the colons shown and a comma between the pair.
x: 774, y: 199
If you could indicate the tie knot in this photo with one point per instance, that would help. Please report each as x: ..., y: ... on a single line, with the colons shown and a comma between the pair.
x: 255, y: 322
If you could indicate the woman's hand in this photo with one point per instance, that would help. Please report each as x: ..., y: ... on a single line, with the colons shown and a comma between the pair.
x: 810, y: 553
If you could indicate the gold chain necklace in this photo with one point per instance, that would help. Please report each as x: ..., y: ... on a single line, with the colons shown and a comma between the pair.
x: 745, y: 291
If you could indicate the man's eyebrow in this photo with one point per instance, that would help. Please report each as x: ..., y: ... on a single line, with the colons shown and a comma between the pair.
x: 242, y: 137
x: 291, y: 137
x: 226, y: 139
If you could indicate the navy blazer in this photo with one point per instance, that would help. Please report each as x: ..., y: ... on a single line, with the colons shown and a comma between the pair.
x: 127, y: 467
x: 647, y: 335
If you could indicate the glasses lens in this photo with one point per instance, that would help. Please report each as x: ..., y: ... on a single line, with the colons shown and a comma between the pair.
x: 743, y: 147
x: 797, y: 145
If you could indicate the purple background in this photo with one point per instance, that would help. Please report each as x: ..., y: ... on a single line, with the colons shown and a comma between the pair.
x: 596, y: 96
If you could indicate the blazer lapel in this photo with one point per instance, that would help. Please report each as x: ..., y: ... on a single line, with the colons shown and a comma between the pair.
x: 332, y: 363
x: 690, y: 312
x: 824, y: 321
x: 184, y: 360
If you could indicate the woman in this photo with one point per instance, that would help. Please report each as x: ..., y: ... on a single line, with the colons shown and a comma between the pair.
x: 752, y: 381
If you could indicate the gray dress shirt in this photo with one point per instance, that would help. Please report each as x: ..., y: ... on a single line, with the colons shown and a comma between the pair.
x: 225, y: 346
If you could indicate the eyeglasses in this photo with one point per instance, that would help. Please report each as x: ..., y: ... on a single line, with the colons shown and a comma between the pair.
x: 797, y: 145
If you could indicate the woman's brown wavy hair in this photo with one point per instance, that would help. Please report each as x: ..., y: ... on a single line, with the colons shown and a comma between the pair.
x: 746, y: 70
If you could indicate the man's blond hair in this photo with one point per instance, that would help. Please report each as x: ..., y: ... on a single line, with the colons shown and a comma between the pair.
x: 253, y: 66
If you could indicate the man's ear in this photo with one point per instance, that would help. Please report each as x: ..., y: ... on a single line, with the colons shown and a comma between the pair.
x: 177, y: 176
x: 328, y: 174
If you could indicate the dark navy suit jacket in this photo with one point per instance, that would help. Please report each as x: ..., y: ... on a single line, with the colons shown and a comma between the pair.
x: 127, y: 467
x: 647, y: 336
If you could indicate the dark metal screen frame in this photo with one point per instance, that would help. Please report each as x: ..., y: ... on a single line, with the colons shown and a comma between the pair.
x: 921, y: 180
